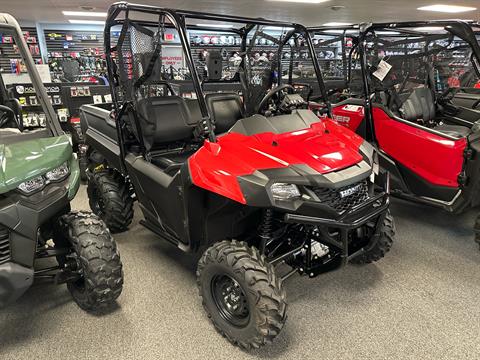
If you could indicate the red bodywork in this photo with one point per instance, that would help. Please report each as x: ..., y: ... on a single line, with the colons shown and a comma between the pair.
x: 350, y: 116
x: 325, y: 147
x: 436, y: 159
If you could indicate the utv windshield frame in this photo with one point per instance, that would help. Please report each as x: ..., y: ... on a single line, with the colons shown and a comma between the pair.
x: 120, y: 13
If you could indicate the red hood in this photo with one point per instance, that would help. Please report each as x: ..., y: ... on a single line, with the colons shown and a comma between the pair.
x: 325, y: 147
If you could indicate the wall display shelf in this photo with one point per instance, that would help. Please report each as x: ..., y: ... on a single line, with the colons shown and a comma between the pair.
x: 10, y: 59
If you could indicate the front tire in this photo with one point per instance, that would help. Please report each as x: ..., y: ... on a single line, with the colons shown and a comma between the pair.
x: 383, y: 245
x: 97, y: 258
x: 241, y: 293
x: 110, y: 198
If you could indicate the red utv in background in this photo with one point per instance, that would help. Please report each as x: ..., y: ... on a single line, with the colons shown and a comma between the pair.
x: 427, y: 133
x: 257, y: 185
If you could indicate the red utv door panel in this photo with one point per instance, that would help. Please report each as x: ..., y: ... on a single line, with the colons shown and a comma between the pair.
x: 350, y: 116
x: 436, y: 159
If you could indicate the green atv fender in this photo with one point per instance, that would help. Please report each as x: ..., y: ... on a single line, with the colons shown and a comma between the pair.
x: 25, y: 160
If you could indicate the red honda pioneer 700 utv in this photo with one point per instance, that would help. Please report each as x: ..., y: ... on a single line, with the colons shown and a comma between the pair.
x: 426, y: 129
x: 256, y: 188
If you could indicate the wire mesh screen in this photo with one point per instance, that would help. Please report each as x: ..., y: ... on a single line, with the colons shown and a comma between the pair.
x: 145, y: 63
x: 439, y: 61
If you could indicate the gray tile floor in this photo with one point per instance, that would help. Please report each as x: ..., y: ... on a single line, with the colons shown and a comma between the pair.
x: 420, y: 302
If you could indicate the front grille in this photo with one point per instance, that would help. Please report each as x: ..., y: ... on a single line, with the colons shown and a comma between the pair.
x: 4, y: 245
x: 345, y: 198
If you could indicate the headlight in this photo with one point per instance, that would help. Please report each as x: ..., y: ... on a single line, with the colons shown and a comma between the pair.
x: 32, y: 185
x: 58, y: 173
x: 282, y: 191
x: 35, y: 184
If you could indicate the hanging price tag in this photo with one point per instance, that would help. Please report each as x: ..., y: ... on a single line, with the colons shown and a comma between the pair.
x: 383, y: 69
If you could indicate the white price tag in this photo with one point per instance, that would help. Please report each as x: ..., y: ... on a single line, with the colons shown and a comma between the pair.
x: 97, y: 99
x: 353, y: 108
x: 383, y: 69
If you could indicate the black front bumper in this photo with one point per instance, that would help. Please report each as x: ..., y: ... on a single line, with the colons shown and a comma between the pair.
x: 21, y: 219
x: 14, y: 281
x: 374, y: 209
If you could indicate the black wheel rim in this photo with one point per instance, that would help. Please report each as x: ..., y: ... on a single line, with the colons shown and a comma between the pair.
x: 230, y: 299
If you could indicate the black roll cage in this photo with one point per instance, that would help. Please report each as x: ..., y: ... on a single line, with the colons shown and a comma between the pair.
x: 177, y: 19
x: 459, y: 28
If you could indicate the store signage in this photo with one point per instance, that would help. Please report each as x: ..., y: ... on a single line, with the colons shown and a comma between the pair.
x: 169, y: 37
x: 172, y: 56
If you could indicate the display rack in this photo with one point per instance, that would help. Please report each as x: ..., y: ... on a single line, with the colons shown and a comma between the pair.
x: 75, y: 54
x: 9, y: 54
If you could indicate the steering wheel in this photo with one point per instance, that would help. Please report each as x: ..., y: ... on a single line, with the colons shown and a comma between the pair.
x: 271, y: 94
x: 7, y: 115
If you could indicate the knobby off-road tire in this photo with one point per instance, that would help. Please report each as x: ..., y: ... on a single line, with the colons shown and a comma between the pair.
x: 110, y: 198
x: 97, y: 257
x: 262, y: 294
x: 383, y: 245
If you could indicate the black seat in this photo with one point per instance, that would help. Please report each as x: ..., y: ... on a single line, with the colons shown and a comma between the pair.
x: 226, y: 109
x: 171, y: 162
x: 421, y: 105
x: 166, y: 120
x: 456, y: 131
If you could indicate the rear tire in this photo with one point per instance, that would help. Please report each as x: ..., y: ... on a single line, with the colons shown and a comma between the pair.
x: 110, y: 198
x: 383, y: 245
x: 241, y: 293
x: 97, y: 259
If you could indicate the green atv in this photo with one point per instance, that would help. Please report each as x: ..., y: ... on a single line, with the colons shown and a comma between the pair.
x: 39, y: 176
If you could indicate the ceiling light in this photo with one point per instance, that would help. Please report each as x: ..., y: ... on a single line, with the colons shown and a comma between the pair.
x: 86, y: 22
x: 302, y: 1
x: 277, y: 28
x: 341, y: 31
x: 429, y: 28
x: 222, y: 26
x: 387, y: 32
x: 447, y: 8
x: 85, y: 13
x: 336, y: 24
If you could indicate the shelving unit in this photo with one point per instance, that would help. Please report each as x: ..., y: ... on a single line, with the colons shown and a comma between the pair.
x: 73, y: 54
x: 330, y: 56
x: 9, y: 53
